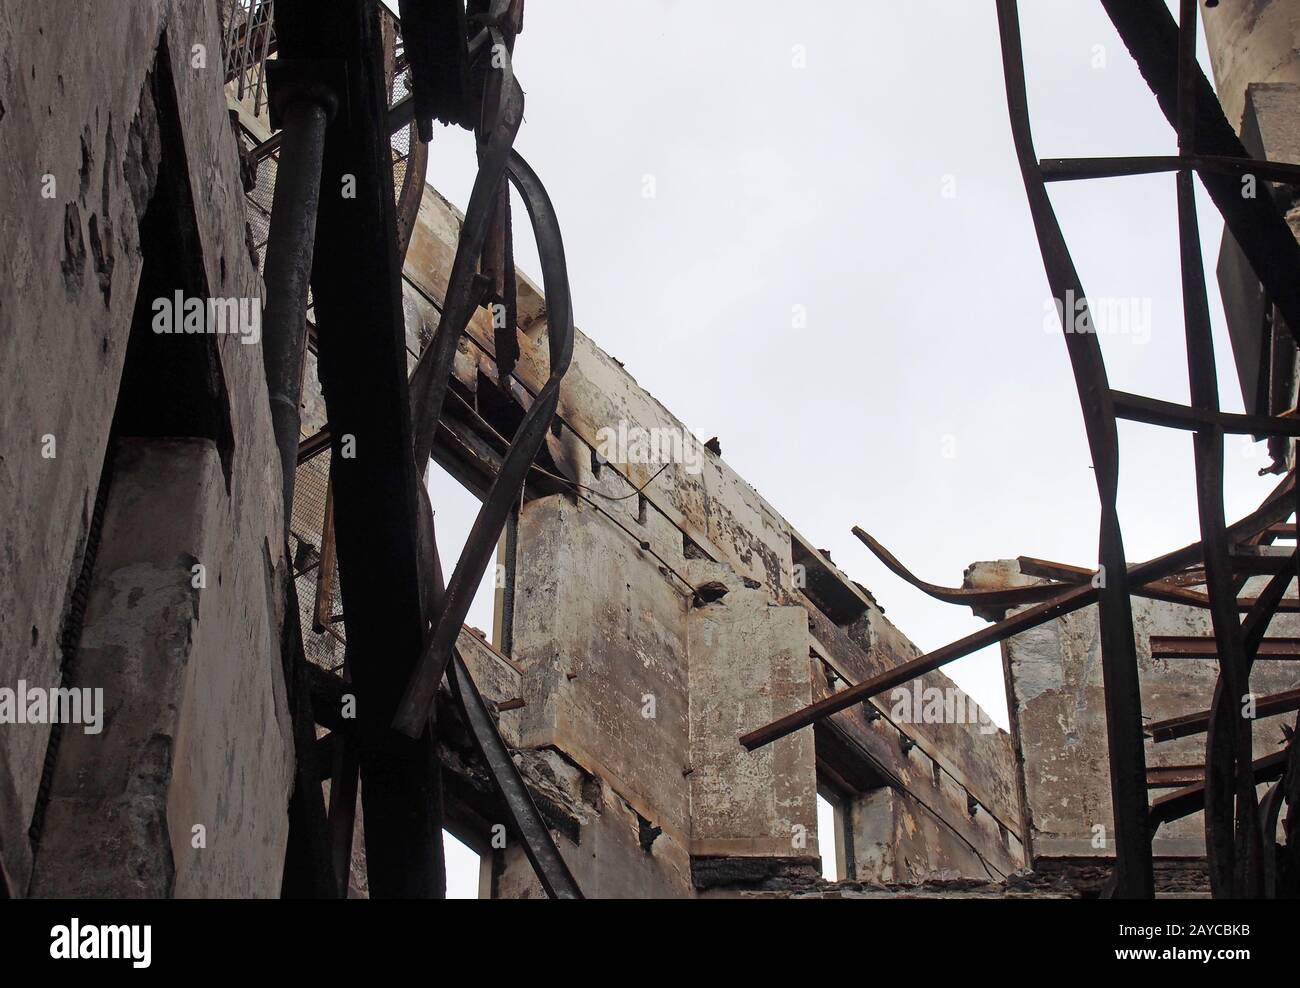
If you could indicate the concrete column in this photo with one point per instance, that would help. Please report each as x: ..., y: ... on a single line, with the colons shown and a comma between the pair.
x: 182, y: 787
x: 1251, y: 41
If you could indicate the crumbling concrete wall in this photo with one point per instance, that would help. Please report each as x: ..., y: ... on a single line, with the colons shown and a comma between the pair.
x: 670, y: 584
x: 602, y: 637
x: 178, y: 795
x: 78, y: 160
x: 749, y: 666
x: 897, y: 839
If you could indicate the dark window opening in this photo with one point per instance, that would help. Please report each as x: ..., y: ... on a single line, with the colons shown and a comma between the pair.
x: 172, y: 383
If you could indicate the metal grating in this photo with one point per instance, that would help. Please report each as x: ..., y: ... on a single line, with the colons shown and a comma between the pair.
x: 323, y: 640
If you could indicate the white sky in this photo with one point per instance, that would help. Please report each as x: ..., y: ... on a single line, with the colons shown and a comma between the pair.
x: 822, y: 187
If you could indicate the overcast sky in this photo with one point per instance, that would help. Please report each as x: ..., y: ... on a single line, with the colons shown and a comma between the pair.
x: 876, y: 187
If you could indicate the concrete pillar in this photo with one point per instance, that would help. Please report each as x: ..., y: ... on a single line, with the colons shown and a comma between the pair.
x: 176, y: 793
x: 749, y: 666
x: 1251, y: 41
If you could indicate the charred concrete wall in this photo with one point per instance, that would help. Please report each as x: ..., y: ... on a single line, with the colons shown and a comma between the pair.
x: 661, y: 608
x: 118, y: 172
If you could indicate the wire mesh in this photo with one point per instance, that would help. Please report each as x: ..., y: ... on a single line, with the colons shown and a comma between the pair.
x: 248, y: 40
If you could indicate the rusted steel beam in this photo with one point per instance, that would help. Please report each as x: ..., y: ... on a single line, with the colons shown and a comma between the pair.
x: 1191, y: 800
x: 1153, y: 411
x: 1172, y: 590
x: 1194, y: 647
x: 327, y: 571
x: 1191, y: 724
x: 1234, y: 857
x: 307, y: 871
x: 1066, y: 602
x: 436, y: 37
x: 1166, y: 590
x: 497, y: 262
x: 309, y: 447
x: 1174, y: 776
x: 1073, y: 169
x: 1275, y: 507
x: 1287, y: 605
x: 548, y: 864
x: 1123, y: 698
x: 1237, y: 857
x: 343, y: 807
x: 432, y: 375
x: 1257, y: 560
x: 1151, y: 36
x: 356, y: 286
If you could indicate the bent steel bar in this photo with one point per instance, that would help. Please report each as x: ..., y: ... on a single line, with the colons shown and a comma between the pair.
x: 1133, y: 868
x: 1000, y: 596
x: 1062, y: 576
x: 1275, y: 508
x: 416, y: 703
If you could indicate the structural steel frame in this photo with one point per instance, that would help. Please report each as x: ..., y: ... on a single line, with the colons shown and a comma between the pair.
x: 1240, y: 835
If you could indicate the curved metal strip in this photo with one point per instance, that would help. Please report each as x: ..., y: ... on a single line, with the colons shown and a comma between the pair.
x: 432, y: 373
x: 1002, y: 596
x: 418, y: 700
x: 1135, y: 877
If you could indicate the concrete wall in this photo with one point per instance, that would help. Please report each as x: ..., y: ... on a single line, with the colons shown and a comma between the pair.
x: 602, y: 639
x: 605, y: 618
x: 1251, y: 41
x: 72, y: 76
x: 749, y: 666
x: 179, y: 793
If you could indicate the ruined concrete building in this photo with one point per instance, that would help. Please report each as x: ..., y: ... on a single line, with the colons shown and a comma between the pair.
x: 235, y: 327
